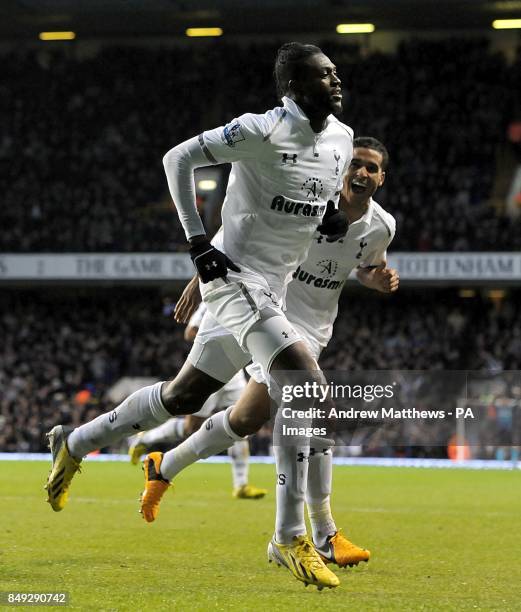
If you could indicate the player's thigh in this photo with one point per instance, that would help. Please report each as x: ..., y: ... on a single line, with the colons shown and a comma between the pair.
x: 297, y: 356
x: 269, y: 337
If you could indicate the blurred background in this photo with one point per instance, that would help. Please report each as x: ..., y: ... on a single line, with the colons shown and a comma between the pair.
x: 93, y: 258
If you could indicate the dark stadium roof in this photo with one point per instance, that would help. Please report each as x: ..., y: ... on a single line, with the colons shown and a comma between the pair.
x: 25, y: 18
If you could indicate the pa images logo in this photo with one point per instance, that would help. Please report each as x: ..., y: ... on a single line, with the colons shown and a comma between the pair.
x: 232, y: 134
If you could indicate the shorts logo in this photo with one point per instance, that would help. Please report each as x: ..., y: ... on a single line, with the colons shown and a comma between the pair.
x: 232, y: 133
x: 327, y: 267
x: 313, y: 188
x: 270, y: 296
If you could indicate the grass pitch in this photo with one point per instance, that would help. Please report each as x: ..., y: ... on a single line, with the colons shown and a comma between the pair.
x: 441, y: 540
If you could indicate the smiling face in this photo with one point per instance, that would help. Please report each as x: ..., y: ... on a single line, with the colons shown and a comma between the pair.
x: 317, y: 89
x: 364, y: 175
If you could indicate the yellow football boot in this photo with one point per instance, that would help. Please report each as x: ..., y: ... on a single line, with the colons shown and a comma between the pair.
x: 338, y: 549
x: 155, y: 487
x: 249, y: 491
x: 64, y: 466
x: 303, y: 561
x: 136, y: 450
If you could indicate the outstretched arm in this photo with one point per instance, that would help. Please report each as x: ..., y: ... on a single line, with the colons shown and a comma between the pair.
x: 180, y: 163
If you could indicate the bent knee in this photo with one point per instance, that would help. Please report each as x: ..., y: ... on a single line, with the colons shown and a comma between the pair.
x: 181, y: 399
x: 246, y: 424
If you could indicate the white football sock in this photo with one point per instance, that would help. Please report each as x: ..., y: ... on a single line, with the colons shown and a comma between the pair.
x: 239, y: 453
x: 141, y: 410
x: 171, y: 431
x: 214, y: 436
x: 318, y: 494
x: 292, y: 474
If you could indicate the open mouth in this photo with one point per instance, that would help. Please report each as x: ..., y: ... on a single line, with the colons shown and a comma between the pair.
x: 358, y: 186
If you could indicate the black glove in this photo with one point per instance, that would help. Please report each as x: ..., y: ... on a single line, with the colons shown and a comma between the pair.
x: 334, y: 223
x: 210, y: 262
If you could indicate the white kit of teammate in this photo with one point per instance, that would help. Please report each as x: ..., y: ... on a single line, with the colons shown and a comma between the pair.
x: 312, y: 307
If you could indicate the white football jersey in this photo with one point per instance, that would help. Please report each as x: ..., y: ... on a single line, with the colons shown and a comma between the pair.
x: 282, y: 176
x: 312, y: 296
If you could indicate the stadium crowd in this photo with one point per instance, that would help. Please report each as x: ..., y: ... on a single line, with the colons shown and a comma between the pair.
x: 62, y: 352
x: 82, y: 171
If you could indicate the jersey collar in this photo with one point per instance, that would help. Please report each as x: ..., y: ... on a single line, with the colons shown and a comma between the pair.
x: 297, y: 113
x: 367, y: 217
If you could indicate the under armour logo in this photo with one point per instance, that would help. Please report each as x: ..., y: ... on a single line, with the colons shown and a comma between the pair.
x: 319, y: 238
x: 362, y: 246
x: 285, y: 334
x: 211, y: 265
x: 136, y: 426
x: 287, y: 156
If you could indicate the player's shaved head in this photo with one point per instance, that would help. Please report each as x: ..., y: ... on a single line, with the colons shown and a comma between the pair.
x: 289, y: 63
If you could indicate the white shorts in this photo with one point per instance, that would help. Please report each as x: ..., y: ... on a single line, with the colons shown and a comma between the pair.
x: 216, y: 352
x: 259, y: 374
x: 227, y: 396
x: 252, y: 314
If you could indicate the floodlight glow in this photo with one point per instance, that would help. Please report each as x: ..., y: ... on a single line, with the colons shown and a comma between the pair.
x: 497, y: 294
x: 194, y: 32
x: 355, y: 28
x: 506, y: 24
x: 57, y: 35
x: 467, y: 293
x: 207, y: 185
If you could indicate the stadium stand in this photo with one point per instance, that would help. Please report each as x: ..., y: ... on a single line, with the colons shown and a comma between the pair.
x: 62, y: 352
x: 83, y: 172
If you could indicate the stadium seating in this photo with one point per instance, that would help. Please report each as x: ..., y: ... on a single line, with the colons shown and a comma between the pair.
x: 83, y: 172
x: 61, y: 353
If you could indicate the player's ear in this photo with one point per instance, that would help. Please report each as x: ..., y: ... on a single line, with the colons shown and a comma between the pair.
x: 382, y: 179
x: 294, y: 88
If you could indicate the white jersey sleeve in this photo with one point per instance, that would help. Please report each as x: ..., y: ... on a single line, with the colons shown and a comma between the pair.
x: 241, y: 139
x: 378, y: 253
x: 180, y: 163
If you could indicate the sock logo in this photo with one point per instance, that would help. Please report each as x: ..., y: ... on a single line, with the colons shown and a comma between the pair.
x: 209, y: 424
x: 281, y: 479
x: 113, y: 416
x: 301, y: 457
